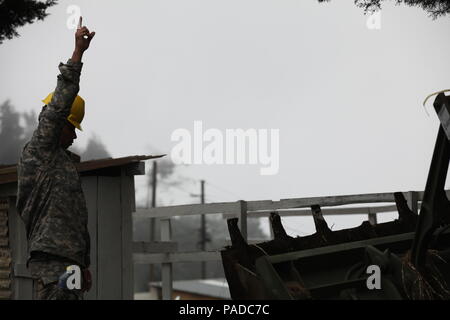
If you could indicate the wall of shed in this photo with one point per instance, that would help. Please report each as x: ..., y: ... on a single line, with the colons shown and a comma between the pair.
x: 5, y: 252
x: 110, y: 203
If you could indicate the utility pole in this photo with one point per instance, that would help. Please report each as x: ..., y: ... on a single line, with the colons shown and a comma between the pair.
x: 203, y: 228
x: 203, y: 235
x: 152, y: 220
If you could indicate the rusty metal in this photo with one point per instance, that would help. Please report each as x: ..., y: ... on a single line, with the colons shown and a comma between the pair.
x: 435, y: 209
x: 332, y: 264
x: 241, y: 259
x: 8, y: 174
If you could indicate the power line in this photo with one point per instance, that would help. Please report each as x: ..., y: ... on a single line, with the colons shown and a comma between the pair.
x: 180, y: 189
x: 222, y: 196
x: 224, y: 190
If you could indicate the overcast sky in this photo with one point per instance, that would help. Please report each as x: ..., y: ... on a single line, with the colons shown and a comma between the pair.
x: 347, y: 100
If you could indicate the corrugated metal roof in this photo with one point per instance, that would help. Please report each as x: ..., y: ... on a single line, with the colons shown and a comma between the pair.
x: 8, y: 174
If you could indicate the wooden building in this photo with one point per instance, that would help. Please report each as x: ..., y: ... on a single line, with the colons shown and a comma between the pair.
x: 108, y: 185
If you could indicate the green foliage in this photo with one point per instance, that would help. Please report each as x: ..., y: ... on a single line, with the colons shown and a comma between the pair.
x: 95, y: 149
x: 12, y: 135
x: 16, y: 129
x: 435, y: 8
x: 16, y: 13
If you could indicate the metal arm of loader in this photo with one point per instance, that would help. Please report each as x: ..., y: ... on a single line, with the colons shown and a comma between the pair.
x: 435, y: 209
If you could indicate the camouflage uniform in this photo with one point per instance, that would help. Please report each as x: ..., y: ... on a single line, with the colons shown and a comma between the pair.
x: 50, y: 199
x: 46, y: 285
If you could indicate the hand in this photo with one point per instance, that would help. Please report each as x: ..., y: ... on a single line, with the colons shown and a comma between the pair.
x: 87, y: 280
x: 82, y: 37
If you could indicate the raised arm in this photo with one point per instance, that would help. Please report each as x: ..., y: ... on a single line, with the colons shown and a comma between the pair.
x: 82, y: 41
x: 53, y: 117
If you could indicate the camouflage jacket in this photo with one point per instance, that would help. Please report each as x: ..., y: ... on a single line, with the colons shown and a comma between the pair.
x: 50, y: 199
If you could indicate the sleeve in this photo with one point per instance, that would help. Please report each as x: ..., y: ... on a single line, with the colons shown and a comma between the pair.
x: 87, y: 258
x: 52, y: 118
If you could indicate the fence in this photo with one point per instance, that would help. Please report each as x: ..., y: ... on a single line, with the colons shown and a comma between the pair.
x: 165, y: 251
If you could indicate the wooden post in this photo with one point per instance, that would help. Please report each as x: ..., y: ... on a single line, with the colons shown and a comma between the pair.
x: 203, y: 229
x: 166, y: 272
x: 270, y: 229
x: 127, y: 203
x: 411, y: 199
x: 17, y: 254
x: 243, y: 218
x: 153, y: 220
x: 90, y: 189
x: 372, y: 218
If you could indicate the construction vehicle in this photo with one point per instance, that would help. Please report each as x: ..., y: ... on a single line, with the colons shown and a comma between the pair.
x: 403, y: 259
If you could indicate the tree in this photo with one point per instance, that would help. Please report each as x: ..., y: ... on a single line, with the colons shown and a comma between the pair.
x: 435, y: 8
x: 16, y: 13
x: 12, y: 135
x: 95, y: 149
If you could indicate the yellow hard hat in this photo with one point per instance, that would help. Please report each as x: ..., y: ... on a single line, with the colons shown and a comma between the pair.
x: 76, y: 112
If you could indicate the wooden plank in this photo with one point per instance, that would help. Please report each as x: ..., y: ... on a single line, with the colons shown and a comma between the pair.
x: 3, y: 217
x: 325, y: 211
x: 154, y: 247
x: 329, y: 201
x: 168, y: 258
x: 135, y: 169
x: 8, y: 188
x: 4, y: 205
x: 188, y: 209
x: 109, y: 247
x: 110, y: 162
x: 22, y: 286
x: 5, y: 253
x: 3, y: 231
x: 5, y: 273
x: 339, y: 247
x: 90, y: 187
x: 268, y: 205
x: 5, y: 294
x: 4, y: 241
x: 21, y: 270
x: 5, y: 284
x: 271, y: 234
x: 413, y: 201
x: 372, y: 217
x: 421, y: 193
x: 243, y: 218
x: 127, y: 202
x: 166, y: 269
x: 133, y: 203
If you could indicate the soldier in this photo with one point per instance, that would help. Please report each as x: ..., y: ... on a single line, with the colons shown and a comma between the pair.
x: 50, y: 199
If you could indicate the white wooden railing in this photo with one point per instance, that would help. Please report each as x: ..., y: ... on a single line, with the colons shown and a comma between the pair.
x: 165, y: 251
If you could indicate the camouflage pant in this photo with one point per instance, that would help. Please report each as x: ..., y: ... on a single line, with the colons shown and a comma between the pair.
x: 46, y: 274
